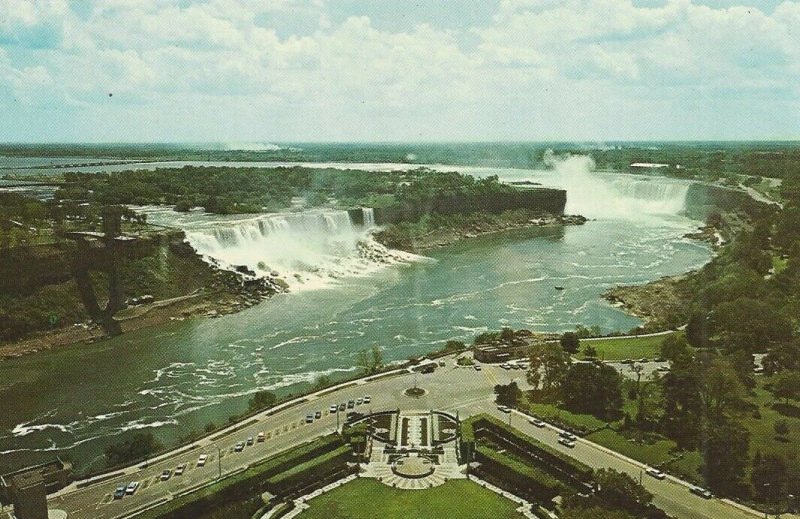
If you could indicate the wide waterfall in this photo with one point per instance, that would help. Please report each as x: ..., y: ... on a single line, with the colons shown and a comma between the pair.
x: 599, y: 195
x: 306, y: 249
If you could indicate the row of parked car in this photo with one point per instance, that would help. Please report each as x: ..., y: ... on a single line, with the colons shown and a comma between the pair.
x: 567, y: 439
x: 335, y: 408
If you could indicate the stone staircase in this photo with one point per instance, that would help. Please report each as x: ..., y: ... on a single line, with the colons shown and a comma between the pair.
x: 441, y: 474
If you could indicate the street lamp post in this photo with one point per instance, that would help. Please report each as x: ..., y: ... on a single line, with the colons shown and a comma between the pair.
x: 219, y: 462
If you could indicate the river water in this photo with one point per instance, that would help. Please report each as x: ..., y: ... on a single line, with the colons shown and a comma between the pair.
x: 177, y: 378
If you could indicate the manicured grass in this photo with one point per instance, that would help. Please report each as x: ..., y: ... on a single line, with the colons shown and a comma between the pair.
x: 762, y: 431
x: 625, y: 348
x: 368, y: 499
x: 546, y: 411
x: 650, y: 453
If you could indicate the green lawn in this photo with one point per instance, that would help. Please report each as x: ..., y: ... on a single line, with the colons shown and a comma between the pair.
x: 762, y: 430
x: 368, y: 499
x: 625, y: 348
x: 651, y: 453
x: 546, y: 411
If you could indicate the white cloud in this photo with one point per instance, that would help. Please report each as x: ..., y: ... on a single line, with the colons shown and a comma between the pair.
x: 536, y: 69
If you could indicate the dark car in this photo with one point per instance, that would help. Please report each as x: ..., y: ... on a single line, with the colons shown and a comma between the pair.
x: 119, y: 493
x: 351, y: 404
x: 702, y: 492
x: 318, y: 415
x: 239, y: 447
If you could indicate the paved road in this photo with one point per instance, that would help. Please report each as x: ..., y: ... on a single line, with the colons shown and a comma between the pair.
x: 451, y: 388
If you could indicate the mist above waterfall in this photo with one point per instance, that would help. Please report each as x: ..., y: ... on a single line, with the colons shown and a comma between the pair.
x: 595, y: 195
x: 307, y: 250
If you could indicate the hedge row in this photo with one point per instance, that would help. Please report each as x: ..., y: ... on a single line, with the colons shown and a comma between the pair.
x: 316, y: 468
x: 472, y: 427
x: 244, y: 484
x: 533, y: 483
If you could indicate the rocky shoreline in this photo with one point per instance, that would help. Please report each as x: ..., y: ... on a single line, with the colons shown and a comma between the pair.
x: 661, y: 304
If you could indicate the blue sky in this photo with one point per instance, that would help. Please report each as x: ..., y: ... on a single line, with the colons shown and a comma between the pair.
x: 347, y: 70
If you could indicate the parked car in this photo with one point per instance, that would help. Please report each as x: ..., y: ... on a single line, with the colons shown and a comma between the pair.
x: 504, y: 408
x: 655, y: 473
x: 367, y: 399
x: 566, y: 442
x: 239, y: 447
x: 478, y: 367
x: 260, y: 438
x: 131, y: 488
x: 351, y: 404
x: 537, y: 422
x: 119, y: 493
x: 333, y: 408
x: 567, y: 435
x: 180, y: 469
x: 700, y: 491
x: 309, y: 418
x: 359, y: 401
x: 342, y: 406
x: 166, y: 475
x: 201, y: 461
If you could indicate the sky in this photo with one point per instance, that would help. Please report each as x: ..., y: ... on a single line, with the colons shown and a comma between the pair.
x: 428, y: 70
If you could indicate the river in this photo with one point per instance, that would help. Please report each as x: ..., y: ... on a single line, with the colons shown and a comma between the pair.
x: 179, y: 377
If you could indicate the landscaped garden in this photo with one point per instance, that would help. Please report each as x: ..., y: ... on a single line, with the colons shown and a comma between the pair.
x: 368, y: 499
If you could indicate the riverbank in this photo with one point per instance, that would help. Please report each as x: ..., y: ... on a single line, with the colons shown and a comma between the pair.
x: 423, y: 237
x: 661, y: 304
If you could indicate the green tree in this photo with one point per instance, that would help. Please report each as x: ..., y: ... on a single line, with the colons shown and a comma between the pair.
x: 725, y: 458
x: 137, y: 447
x: 454, y: 346
x: 548, y: 366
x: 619, y: 490
x: 787, y: 386
x: 508, y: 394
x: 594, y: 512
x: 769, y: 478
x: 781, y: 428
x: 593, y: 388
x: 674, y: 346
x: 570, y: 342
x: 262, y: 400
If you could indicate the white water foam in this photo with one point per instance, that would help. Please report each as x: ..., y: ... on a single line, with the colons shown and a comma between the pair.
x: 307, y: 250
x: 628, y: 197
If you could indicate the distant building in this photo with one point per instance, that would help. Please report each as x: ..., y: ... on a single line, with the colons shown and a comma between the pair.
x: 499, y: 351
x: 28, y: 496
x: 55, y: 475
x: 648, y: 165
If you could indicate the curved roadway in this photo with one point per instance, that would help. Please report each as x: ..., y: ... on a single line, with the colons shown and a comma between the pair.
x: 450, y: 388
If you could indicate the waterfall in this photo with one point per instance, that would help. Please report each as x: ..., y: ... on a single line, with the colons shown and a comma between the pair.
x: 307, y: 249
x: 598, y: 195
x: 369, y: 217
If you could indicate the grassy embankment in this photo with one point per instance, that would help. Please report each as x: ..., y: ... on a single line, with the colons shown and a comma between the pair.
x: 367, y: 499
x: 621, y: 348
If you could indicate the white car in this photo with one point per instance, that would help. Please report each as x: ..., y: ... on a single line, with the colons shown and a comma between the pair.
x: 180, y: 469
x: 504, y: 408
x: 655, y: 473
x: 260, y: 438
x: 566, y: 442
x: 131, y: 488
x: 201, y: 461
x: 332, y: 409
x: 537, y: 422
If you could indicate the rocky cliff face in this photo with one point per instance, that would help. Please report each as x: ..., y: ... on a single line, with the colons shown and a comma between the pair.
x: 536, y: 200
